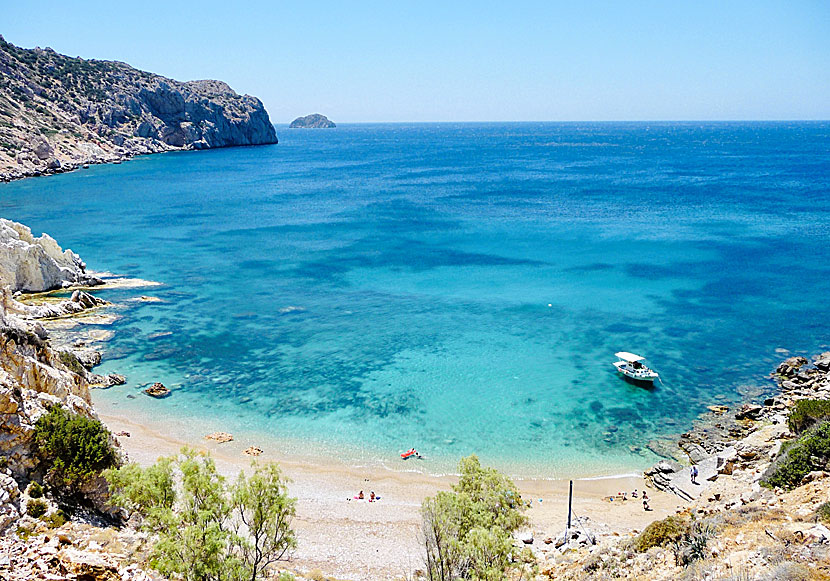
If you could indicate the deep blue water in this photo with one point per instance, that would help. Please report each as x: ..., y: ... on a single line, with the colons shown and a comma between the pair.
x: 458, y: 288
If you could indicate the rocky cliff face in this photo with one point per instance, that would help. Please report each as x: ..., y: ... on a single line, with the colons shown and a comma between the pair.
x: 313, y: 121
x: 59, y: 112
x: 32, y: 378
x: 37, y: 264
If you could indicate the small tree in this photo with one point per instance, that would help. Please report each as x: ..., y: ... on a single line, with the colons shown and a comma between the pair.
x: 467, y: 533
x: 265, y: 509
x: 72, y: 449
x: 207, y: 530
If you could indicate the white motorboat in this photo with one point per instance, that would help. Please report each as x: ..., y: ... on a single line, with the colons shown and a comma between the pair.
x: 632, y: 367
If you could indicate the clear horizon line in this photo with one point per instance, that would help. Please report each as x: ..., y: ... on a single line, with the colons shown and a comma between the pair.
x: 794, y: 120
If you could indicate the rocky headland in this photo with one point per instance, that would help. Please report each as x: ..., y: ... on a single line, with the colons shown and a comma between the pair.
x: 59, y: 113
x: 313, y: 121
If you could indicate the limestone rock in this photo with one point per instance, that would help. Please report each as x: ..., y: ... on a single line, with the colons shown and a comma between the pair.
x: 252, y: 451
x: 79, y: 301
x: 37, y: 264
x: 791, y: 366
x: 116, y: 379
x: 313, y: 121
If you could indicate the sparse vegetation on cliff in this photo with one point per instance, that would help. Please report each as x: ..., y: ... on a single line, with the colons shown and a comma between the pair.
x: 810, y: 452
x: 72, y: 449
x: 806, y: 413
x: 661, y: 533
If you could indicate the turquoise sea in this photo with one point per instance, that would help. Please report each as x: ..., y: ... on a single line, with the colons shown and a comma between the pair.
x: 456, y: 287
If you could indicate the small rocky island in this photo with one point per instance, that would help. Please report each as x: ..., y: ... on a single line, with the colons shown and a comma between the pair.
x: 313, y: 121
x: 58, y: 113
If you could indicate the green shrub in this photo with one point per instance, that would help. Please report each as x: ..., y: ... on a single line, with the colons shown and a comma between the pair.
x: 56, y: 519
x: 823, y: 512
x: 73, y: 449
x: 35, y: 490
x: 661, y: 533
x: 691, y: 546
x: 809, y: 452
x: 806, y: 413
x: 36, y: 507
x: 286, y: 576
x: 71, y: 362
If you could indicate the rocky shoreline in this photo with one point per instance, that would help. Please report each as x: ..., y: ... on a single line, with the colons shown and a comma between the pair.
x: 724, y: 438
x: 744, y: 530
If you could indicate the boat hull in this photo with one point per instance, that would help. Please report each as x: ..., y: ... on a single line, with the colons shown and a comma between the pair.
x: 644, y: 383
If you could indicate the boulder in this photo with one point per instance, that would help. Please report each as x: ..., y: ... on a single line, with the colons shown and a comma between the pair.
x: 822, y: 361
x: 791, y: 366
x: 89, y: 358
x: 695, y: 451
x: 157, y: 390
x: 749, y: 411
x: 116, y: 379
x: 41, y: 147
x: 814, y: 475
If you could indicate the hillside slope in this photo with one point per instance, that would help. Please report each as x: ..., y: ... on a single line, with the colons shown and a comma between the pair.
x: 59, y: 112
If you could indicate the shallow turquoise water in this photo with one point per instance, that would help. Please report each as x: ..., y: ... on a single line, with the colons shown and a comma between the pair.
x: 458, y: 288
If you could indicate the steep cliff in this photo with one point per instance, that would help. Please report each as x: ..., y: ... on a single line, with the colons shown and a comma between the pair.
x: 59, y: 112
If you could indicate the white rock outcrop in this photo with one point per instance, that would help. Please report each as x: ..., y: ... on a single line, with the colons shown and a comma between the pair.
x: 32, y: 379
x: 37, y: 264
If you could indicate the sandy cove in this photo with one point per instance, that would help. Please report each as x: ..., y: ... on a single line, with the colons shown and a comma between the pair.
x: 359, y: 540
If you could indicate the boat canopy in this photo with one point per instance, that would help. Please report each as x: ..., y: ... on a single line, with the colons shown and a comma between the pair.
x: 630, y: 357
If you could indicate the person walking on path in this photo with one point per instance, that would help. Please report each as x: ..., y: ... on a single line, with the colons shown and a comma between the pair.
x: 693, y: 473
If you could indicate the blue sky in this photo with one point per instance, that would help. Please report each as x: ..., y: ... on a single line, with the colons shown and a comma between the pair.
x: 466, y: 61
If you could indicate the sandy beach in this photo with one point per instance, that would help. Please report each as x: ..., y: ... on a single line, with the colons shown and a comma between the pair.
x: 353, y: 539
